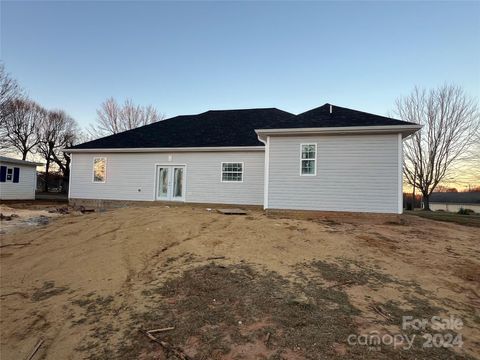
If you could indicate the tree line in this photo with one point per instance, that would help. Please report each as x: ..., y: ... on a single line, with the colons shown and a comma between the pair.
x: 30, y: 130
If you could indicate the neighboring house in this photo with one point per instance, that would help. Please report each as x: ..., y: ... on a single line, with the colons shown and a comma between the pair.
x: 329, y: 158
x: 18, y: 179
x: 454, y: 201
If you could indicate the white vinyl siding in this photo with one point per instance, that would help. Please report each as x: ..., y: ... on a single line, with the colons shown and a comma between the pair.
x: 25, y: 188
x: 132, y: 176
x: 357, y: 173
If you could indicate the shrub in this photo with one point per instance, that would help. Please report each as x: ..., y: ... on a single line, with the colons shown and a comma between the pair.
x: 463, y: 211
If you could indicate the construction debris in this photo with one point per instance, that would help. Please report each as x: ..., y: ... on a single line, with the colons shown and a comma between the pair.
x: 161, y: 330
x: 40, y: 220
x: 35, y: 349
x: 15, y: 244
x: 8, y: 217
x: 216, y: 258
x: 84, y: 210
x: 267, y: 339
x: 380, y: 311
x: 64, y: 210
x: 167, y: 347
x: 232, y: 211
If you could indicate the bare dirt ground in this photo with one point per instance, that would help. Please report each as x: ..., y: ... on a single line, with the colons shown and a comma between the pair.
x: 26, y: 214
x: 283, y: 288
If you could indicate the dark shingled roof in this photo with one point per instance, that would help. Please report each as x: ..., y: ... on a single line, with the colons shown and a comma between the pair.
x: 209, y: 129
x: 456, y: 197
x: 217, y: 128
x: 340, y: 116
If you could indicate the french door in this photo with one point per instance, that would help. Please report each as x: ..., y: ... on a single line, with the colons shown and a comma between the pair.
x: 170, y: 183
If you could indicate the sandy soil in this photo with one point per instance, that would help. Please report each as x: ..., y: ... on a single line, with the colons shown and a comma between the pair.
x: 26, y: 215
x: 85, y: 284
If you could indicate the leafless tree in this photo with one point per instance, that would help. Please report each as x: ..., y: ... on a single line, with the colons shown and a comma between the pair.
x: 108, y: 119
x: 9, y: 91
x: 20, y: 128
x: 450, y: 122
x: 151, y: 115
x: 113, y: 118
x: 131, y: 116
x: 57, y: 131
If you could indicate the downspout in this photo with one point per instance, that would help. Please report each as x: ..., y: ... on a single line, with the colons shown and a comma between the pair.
x: 266, y: 169
x: 70, y: 177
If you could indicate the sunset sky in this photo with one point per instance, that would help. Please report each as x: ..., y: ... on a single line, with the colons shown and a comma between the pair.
x: 189, y: 57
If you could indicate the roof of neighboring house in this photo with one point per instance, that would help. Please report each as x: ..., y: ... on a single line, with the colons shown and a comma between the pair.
x: 5, y: 159
x: 232, y: 128
x: 455, y: 197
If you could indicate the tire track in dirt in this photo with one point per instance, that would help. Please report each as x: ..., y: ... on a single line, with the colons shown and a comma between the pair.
x: 153, y: 260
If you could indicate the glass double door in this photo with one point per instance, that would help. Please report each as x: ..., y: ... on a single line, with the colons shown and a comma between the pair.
x: 171, y: 183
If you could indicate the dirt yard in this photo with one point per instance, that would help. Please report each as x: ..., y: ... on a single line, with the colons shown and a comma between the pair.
x: 235, y: 287
x: 17, y: 215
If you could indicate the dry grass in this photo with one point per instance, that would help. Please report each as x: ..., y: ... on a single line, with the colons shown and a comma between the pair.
x: 467, y: 220
x: 219, y: 311
x: 47, y: 290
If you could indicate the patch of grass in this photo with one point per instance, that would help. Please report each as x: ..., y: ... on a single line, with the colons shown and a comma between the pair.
x: 398, y: 222
x: 98, y: 348
x: 93, y: 305
x: 350, y: 272
x: 463, y: 211
x: 419, y: 309
x: 226, y: 306
x: 90, y: 299
x: 467, y: 220
x: 47, y: 290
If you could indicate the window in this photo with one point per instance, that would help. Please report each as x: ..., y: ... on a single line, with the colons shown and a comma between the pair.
x: 232, y: 172
x: 99, y: 169
x: 308, y: 159
x: 9, y: 174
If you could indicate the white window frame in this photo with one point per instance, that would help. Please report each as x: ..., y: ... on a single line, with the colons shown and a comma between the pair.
x: 93, y: 170
x: 314, y: 159
x: 6, y: 175
x: 232, y: 162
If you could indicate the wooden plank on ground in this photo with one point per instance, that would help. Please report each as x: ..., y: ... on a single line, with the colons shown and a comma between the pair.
x: 232, y: 211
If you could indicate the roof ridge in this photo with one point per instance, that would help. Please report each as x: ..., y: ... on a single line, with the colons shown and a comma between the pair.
x: 363, y: 112
x: 245, y: 109
x: 327, y: 105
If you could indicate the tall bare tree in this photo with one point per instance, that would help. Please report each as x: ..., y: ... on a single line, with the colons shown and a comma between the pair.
x: 20, y: 128
x: 57, y: 131
x: 108, y: 119
x: 9, y: 91
x: 450, y: 122
x: 113, y: 118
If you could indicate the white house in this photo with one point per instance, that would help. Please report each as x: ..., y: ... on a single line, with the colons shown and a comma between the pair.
x: 18, y: 179
x: 329, y: 158
x: 454, y: 201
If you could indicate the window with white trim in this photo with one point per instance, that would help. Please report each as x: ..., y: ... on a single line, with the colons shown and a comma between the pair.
x: 232, y: 172
x: 308, y: 159
x: 99, y: 169
x: 9, y: 174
